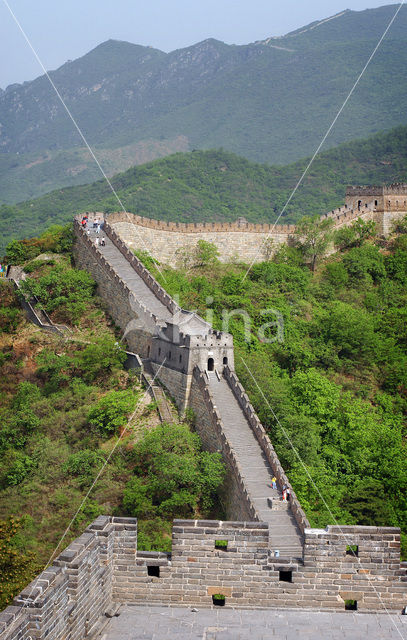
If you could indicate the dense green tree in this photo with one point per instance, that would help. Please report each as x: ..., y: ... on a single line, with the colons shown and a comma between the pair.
x: 313, y: 236
x: 172, y: 474
x: 112, y: 411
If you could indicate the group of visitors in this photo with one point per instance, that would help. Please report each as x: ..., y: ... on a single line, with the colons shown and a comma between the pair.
x: 286, y: 489
x: 96, y: 226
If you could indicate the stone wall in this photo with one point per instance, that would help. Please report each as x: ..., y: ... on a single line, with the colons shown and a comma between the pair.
x: 103, y: 567
x: 69, y: 598
x: 162, y: 239
x: 248, y: 576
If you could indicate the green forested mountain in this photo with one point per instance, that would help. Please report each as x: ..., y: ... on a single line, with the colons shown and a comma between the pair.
x: 269, y: 101
x: 217, y: 185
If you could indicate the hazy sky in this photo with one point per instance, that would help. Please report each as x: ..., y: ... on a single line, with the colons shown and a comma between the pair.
x: 66, y: 29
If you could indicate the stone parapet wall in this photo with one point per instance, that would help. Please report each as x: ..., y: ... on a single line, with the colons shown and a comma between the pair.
x: 199, y: 227
x: 103, y: 567
x: 265, y: 444
x: 69, y: 598
x: 248, y: 576
x: 163, y: 240
x: 397, y: 188
x: 347, y: 215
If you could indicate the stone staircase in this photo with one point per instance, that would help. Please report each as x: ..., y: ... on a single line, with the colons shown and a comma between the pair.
x: 163, y: 406
x: 284, y: 533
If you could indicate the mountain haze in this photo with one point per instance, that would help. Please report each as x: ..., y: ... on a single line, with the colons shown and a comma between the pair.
x: 269, y: 101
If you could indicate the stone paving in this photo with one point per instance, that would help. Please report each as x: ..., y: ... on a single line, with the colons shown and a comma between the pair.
x: 164, y: 623
x: 284, y: 533
x: 189, y: 323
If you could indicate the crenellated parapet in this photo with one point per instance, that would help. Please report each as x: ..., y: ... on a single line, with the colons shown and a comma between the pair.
x: 240, y: 225
x: 246, y: 241
x: 104, y: 568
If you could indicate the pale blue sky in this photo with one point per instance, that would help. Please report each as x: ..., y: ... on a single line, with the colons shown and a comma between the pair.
x: 66, y: 29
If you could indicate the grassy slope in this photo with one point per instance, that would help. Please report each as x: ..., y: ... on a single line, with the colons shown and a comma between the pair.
x: 216, y: 185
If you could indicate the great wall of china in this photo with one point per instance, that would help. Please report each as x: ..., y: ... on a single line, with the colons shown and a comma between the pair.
x: 243, y: 239
x: 272, y: 557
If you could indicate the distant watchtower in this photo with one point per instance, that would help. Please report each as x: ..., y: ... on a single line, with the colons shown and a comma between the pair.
x: 387, y: 203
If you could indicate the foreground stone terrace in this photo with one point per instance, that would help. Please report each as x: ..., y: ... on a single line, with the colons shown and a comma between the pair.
x: 161, y: 623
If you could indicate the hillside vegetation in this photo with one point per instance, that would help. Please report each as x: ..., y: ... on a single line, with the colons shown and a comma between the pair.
x: 65, y: 401
x: 219, y: 186
x: 269, y: 101
x: 323, y: 357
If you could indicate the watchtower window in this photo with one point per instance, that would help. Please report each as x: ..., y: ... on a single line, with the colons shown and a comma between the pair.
x: 180, y: 358
x: 375, y: 203
x: 153, y: 570
x: 359, y: 203
x: 169, y: 355
x: 148, y: 351
x: 211, y: 364
x: 225, y: 360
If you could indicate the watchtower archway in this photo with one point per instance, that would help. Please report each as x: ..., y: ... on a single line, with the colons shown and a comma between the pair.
x: 211, y: 364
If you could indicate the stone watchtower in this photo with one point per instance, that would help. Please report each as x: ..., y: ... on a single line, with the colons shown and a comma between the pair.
x: 383, y: 204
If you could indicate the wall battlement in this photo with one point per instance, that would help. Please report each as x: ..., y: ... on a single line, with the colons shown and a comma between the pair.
x: 198, y: 227
x: 104, y: 567
x: 244, y: 240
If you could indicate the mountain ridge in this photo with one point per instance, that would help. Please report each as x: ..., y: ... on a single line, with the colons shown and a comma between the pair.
x: 267, y: 102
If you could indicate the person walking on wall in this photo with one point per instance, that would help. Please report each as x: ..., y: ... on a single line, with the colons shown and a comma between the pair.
x: 274, y: 482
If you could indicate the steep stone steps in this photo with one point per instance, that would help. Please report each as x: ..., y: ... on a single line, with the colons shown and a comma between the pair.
x: 284, y: 533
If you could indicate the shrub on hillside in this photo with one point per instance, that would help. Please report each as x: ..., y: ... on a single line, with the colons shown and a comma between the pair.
x: 112, y: 411
x: 63, y: 291
x: 173, y: 476
x: 57, y: 238
x: 16, y: 568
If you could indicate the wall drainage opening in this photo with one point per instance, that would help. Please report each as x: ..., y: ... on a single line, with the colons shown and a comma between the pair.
x: 285, y: 576
x: 153, y: 570
x: 218, y: 600
x: 351, y: 605
x: 352, y: 550
x: 221, y: 544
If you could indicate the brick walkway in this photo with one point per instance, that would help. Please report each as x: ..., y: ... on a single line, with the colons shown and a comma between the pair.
x: 162, y: 623
x: 284, y: 533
